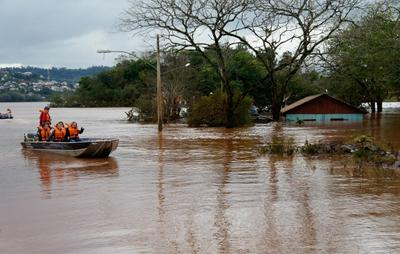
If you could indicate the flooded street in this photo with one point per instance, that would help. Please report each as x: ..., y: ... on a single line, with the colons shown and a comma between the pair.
x: 191, y: 190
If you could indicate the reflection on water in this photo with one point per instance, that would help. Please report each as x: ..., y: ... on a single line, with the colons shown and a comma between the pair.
x: 160, y: 184
x: 60, y: 169
x: 193, y: 190
x: 221, y: 222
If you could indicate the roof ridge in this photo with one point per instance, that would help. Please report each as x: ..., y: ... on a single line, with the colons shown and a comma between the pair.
x: 310, y: 98
x: 300, y: 102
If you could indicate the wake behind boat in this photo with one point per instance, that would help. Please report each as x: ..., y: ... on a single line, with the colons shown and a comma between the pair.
x: 86, y: 147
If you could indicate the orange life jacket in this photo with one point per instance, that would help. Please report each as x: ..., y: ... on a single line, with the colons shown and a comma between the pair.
x: 73, y: 132
x: 59, y: 135
x: 45, y: 117
x: 44, y: 134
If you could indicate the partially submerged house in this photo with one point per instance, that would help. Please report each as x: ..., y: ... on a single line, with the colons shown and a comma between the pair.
x: 321, y: 107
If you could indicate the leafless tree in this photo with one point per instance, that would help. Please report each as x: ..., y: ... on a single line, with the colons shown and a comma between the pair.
x: 192, y: 24
x: 283, y: 34
x: 175, y: 84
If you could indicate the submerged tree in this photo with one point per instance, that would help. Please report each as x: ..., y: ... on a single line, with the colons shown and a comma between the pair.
x: 176, y: 82
x: 267, y: 28
x: 298, y: 28
x: 365, y: 56
x: 192, y: 24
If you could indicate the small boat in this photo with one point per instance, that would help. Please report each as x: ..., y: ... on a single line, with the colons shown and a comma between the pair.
x: 7, y: 115
x: 85, y: 148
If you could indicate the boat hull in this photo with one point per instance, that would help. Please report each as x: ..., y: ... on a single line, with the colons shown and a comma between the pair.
x: 6, y: 117
x: 88, y: 148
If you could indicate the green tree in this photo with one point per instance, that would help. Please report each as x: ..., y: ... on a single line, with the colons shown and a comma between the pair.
x: 208, y: 110
x: 304, y: 84
x: 119, y: 86
x: 365, y: 55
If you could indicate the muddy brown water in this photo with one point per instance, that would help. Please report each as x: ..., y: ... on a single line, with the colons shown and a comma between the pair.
x: 191, y: 190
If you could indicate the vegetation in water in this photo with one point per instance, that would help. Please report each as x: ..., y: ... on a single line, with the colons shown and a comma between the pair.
x: 208, y: 111
x: 363, y: 59
x: 312, y: 149
x: 280, y: 146
x: 369, y: 155
x: 369, y: 158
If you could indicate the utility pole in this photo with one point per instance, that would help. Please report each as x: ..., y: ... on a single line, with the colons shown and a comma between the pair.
x: 160, y: 103
x: 159, y: 92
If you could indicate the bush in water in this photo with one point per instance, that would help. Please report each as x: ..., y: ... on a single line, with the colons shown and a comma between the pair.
x: 209, y: 111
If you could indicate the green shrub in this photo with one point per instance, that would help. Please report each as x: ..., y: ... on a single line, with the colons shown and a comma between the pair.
x: 66, y: 99
x: 369, y: 155
x: 312, y: 149
x: 147, y: 109
x: 56, y: 100
x: 209, y: 111
x: 280, y: 146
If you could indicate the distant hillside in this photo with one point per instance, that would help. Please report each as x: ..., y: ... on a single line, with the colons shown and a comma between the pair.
x: 58, y: 74
x: 38, y: 84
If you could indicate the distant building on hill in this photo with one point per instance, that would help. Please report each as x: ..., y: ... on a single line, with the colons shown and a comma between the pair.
x: 321, y: 107
x: 27, y: 73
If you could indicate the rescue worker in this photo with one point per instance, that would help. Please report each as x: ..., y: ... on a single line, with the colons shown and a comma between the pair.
x: 73, y: 132
x: 9, y: 113
x: 44, y: 132
x: 59, y: 133
x: 45, y: 116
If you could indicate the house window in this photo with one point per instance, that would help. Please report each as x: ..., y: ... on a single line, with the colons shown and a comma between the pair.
x: 338, y: 119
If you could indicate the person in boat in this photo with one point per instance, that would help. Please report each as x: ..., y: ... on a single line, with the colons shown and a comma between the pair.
x: 9, y: 113
x: 59, y: 133
x: 45, y: 116
x: 73, y: 132
x: 44, y: 132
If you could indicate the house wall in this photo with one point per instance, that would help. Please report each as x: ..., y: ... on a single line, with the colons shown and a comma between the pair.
x: 324, y: 117
x: 324, y: 105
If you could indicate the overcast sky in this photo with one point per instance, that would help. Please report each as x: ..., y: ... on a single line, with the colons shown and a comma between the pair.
x: 62, y: 33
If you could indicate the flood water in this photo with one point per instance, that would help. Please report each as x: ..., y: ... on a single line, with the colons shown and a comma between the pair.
x: 191, y: 190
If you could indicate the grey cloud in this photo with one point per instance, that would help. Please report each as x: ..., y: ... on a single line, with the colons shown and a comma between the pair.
x: 61, y: 32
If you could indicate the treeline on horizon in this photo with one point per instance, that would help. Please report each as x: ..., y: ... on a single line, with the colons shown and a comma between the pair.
x: 356, y: 62
x: 12, y: 96
x: 61, y: 74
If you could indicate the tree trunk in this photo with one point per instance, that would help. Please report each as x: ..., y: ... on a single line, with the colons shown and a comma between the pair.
x: 372, y: 104
x: 229, y: 113
x: 229, y: 110
x: 276, y: 110
x: 228, y: 90
x: 379, y: 106
x: 276, y: 104
x: 278, y: 93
